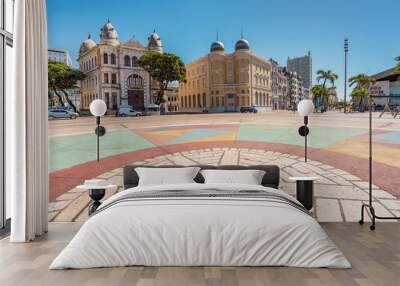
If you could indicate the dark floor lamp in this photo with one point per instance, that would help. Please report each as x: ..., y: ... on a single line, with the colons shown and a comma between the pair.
x: 305, y: 108
x: 369, y: 205
x: 98, y: 108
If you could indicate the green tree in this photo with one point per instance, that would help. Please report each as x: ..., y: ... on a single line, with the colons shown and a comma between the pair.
x: 61, y: 78
x: 398, y: 64
x: 164, y: 68
x: 359, y: 95
x: 325, y: 77
x: 361, y: 80
x: 317, y: 92
x: 362, y: 84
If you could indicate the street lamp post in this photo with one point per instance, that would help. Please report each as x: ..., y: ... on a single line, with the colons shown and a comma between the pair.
x: 305, y: 108
x: 346, y: 49
x: 98, y: 108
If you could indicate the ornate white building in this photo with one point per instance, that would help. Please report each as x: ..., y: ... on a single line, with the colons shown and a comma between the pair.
x: 112, y: 72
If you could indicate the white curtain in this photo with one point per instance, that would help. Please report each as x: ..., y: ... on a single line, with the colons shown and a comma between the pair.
x: 26, y: 124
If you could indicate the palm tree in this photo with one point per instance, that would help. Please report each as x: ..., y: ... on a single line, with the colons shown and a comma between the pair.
x: 331, y: 96
x: 317, y: 93
x: 362, y: 84
x: 361, y: 80
x: 326, y: 76
x: 359, y: 94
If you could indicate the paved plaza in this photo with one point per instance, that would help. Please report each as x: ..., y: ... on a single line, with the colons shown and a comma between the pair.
x: 338, y: 152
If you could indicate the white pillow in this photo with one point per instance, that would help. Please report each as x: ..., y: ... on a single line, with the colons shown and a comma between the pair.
x: 248, y: 177
x: 166, y: 176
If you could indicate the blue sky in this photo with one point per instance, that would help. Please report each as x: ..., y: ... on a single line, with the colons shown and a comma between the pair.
x: 276, y: 29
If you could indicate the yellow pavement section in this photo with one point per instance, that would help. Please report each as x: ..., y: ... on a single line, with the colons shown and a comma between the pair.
x: 383, y: 153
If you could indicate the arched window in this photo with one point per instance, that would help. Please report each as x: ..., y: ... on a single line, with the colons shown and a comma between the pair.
x: 194, y: 101
x: 113, y: 59
x: 105, y: 58
x: 190, y: 101
x: 135, y: 81
x: 127, y: 61
x: 198, y: 101
x: 134, y: 61
x: 204, y: 100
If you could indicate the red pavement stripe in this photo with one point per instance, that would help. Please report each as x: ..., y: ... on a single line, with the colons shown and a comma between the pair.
x: 385, y: 177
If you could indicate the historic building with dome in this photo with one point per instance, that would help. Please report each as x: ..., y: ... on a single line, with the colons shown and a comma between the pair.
x: 112, y: 71
x: 224, y: 82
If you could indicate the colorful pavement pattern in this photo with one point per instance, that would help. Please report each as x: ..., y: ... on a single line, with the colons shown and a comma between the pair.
x: 338, y: 195
x: 72, y: 157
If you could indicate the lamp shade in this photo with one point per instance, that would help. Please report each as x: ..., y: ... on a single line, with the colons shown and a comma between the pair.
x: 305, y: 107
x: 98, y: 107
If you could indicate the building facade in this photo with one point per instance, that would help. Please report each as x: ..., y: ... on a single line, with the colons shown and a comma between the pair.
x: 172, y: 95
x: 223, y: 82
x: 61, y: 56
x: 387, y: 84
x: 296, y: 89
x: 112, y: 71
x: 302, y: 66
x: 280, y: 87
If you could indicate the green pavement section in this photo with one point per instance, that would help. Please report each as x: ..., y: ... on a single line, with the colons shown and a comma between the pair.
x: 67, y: 151
x: 319, y: 137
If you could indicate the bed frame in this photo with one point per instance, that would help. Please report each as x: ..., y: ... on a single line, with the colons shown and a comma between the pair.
x: 270, y: 179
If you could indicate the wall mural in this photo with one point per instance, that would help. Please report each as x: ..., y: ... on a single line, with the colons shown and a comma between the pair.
x: 230, y: 103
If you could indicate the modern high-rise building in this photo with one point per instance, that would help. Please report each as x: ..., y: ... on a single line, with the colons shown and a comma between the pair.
x: 61, y: 56
x: 223, y: 82
x: 303, y: 67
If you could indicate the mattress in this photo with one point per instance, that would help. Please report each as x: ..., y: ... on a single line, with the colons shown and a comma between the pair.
x: 201, y: 225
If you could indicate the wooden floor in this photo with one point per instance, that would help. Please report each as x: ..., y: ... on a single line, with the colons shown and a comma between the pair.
x: 375, y: 257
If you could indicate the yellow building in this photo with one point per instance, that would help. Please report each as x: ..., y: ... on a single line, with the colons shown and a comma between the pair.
x: 222, y: 82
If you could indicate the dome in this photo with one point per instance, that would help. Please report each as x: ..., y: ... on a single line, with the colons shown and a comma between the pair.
x: 134, y: 43
x: 217, y: 46
x: 108, y: 34
x: 155, y: 42
x: 242, y: 44
x: 87, y: 45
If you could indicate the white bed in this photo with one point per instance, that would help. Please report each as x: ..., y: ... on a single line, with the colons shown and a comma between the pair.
x: 202, y: 231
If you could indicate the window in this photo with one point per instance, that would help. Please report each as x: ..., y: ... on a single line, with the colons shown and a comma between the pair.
x: 106, y: 78
x: 114, y: 78
x: 6, y: 64
x: 107, y: 98
x: 113, y: 59
x: 135, y: 81
x: 134, y: 61
x: 105, y: 58
x: 127, y: 61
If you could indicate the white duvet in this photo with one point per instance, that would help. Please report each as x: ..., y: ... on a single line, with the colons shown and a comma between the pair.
x: 200, y: 231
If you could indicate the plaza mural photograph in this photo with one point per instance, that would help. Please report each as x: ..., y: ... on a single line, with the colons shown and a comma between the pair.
x: 206, y: 83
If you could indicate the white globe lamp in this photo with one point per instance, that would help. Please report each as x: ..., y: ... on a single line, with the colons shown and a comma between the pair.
x: 98, y: 108
x: 305, y: 108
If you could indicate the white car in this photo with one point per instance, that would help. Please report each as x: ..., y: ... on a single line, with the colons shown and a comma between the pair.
x: 127, y: 111
x: 62, y: 113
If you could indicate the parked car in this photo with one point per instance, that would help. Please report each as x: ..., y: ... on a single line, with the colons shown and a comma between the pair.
x: 152, y: 109
x: 62, y: 113
x: 245, y: 109
x: 128, y: 111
